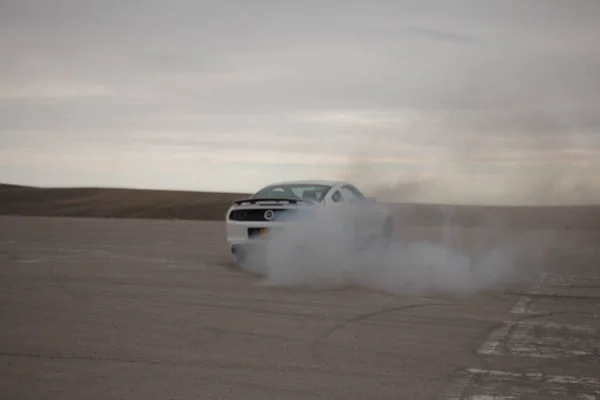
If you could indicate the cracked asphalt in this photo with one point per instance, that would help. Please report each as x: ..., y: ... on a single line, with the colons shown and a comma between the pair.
x: 136, y: 309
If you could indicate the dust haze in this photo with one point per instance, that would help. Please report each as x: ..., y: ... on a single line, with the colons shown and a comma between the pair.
x: 509, y: 150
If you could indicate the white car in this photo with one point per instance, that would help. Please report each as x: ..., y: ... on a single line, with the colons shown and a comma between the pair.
x: 249, y: 220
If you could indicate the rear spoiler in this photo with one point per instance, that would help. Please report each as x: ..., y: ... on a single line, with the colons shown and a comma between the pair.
x: 278, y: 200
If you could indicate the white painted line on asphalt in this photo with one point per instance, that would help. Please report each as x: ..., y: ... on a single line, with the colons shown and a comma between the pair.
x: 546, y: 340
x: 456, y: 388
x: 521, y: 306
x: 493, y: 342
x: 538, y: 376
x: 568, y: 280
x: 546, y: 281
x: 481, y: 384
x: 536, y: 340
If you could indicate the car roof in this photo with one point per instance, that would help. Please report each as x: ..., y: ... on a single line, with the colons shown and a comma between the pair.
x: 308, y: 182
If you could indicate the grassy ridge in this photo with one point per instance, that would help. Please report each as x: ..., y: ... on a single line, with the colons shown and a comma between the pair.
x: 164, y: 204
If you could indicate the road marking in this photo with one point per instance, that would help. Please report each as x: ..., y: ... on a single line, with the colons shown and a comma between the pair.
x: 521, y: 306
x: 569, y: 280
x: 552, y: 284
x: 584, y: 307
x: 546, y: 340
x: 491, y: 345
x: 481, y: 384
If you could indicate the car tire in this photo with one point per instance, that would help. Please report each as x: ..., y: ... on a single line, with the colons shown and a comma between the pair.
x: 240, y: 255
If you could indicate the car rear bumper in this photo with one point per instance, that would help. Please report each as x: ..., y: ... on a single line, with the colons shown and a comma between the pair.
x: 240, y: 241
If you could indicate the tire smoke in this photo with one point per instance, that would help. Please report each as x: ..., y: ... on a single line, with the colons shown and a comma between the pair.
x: 323, y: 253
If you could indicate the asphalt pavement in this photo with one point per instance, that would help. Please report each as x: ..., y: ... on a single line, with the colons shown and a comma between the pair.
x: 137, y: 309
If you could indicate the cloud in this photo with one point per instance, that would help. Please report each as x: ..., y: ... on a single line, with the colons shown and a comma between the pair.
x: 53, y: 90
x: 463, y: 89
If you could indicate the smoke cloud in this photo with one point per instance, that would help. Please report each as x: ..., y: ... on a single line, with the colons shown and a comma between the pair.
x: 324, y: 253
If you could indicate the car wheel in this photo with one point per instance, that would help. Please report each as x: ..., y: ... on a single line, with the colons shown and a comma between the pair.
x: 240, y: 254
x: 387, y: 232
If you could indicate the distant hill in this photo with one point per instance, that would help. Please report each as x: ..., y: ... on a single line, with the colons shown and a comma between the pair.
x: 165, y: 204
x: 6, y: 186
x: 115, y: 203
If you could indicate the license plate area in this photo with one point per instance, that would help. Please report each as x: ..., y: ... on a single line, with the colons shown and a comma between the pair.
x: 254, y: 233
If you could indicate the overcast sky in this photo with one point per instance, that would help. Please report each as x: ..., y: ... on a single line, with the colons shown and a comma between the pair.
x: 472, y: 101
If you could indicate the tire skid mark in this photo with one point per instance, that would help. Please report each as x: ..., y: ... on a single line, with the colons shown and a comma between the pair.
x: 66, y: 288
x: 8, y: 256
x: 9, y: 253
x: 321, y: 339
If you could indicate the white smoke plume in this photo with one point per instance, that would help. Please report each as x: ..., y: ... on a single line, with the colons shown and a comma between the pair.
x: 321, y: 253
